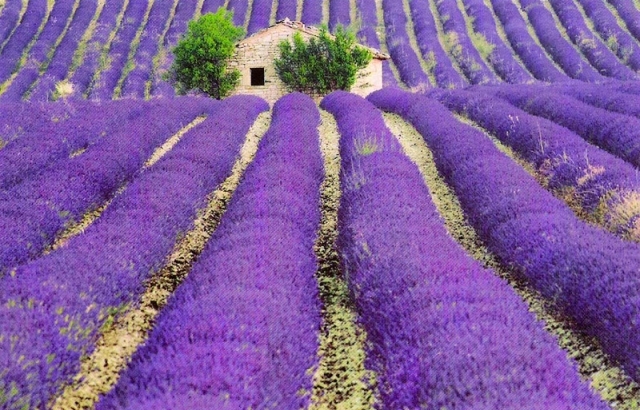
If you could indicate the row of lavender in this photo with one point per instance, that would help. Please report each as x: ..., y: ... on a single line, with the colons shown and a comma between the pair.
x: 54, y: 307
x: 586, y: 273
x: 37, y: 204
x: 242, y: 330
x: 442, y: 331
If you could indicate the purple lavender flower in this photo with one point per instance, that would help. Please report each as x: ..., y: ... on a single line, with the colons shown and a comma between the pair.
x: 242, y: 329
x: 442, y: 331
x: 531, y: 54
x: 52, y: 308
x: 586, y: 273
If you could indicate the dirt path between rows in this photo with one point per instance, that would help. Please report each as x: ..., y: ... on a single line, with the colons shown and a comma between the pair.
x: 341, y: 380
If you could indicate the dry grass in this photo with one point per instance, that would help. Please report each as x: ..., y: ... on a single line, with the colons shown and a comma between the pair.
x: 608, y: 380
x: 117, y: 343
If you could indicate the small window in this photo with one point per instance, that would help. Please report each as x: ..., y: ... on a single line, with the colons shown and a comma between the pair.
x: 257, y: 76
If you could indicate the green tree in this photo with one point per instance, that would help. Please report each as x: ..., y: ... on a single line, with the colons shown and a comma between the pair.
x: 202, y: 54
x: 324, y: 64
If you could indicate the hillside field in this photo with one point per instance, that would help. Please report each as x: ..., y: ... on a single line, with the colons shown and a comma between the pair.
x: 467, y: 237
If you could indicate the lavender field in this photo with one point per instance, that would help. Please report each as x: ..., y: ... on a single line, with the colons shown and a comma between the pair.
x: 467, y: 237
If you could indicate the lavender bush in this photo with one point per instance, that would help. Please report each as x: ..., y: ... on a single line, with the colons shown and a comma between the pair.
x: 629, y: 14
x: 443, y: 332
x: 53, y: 308
x: 607, y: 97
x: 242, y: 329
x: 260, y: 15
x: 9, y: 20
x: 210, y: 6
x: 586, y: 273
x: 45, y: 148
x: 184, y: 13
x: 339, y: 13
x: 17, y: 119
x: 618, y: 40
x: 311, y: 12
x: 286, y: 9
x: 134, y: 83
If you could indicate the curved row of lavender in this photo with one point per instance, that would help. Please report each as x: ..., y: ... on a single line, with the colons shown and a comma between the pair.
x: 260, y: 16
x: 588, y: 274
x: 426, y: 33
x: 606, y: 97
x: 41, y: 149
x: 62, y: 59
x: 311, y: 12
x: 399, y: 47
x: 286, y: 9
x: 339, y: 13
x: 463, y: 50
x: 532, y: 55
x: 596, y: 177
x: 560, y: 49
x: 599, y: 55
x: 442, y: 331
x: 82, y: 77
x: 501, y: 57
x: 239, y: 8
x: 25, y: 31
x: 134, y: 84
x: 629, y: 14
x: 185, y: 11
x: 34, y: 212
x: 368, y: 35
x: 9, y: 19
x: 616, y: 133
x: 39, y: 54
x: 52, y: 309
x: 242, y: 330
x: 107, y: 79
x: 621, y: 43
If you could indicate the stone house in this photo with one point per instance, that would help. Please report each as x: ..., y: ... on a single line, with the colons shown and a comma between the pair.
x: 255, y: 56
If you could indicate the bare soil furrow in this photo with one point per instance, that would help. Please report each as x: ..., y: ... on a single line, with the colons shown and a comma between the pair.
x: 341, y: 380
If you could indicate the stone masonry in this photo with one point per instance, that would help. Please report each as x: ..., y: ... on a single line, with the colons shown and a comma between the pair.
x: 260, y: 50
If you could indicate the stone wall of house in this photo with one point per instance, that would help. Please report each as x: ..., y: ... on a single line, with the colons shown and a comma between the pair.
x: 260, y: 51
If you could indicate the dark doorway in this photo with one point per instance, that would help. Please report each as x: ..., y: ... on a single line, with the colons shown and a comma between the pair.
x: 257, y: 76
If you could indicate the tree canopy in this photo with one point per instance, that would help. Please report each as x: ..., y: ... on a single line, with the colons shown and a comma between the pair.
x: 324, y: 64
x: 202, y: 54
